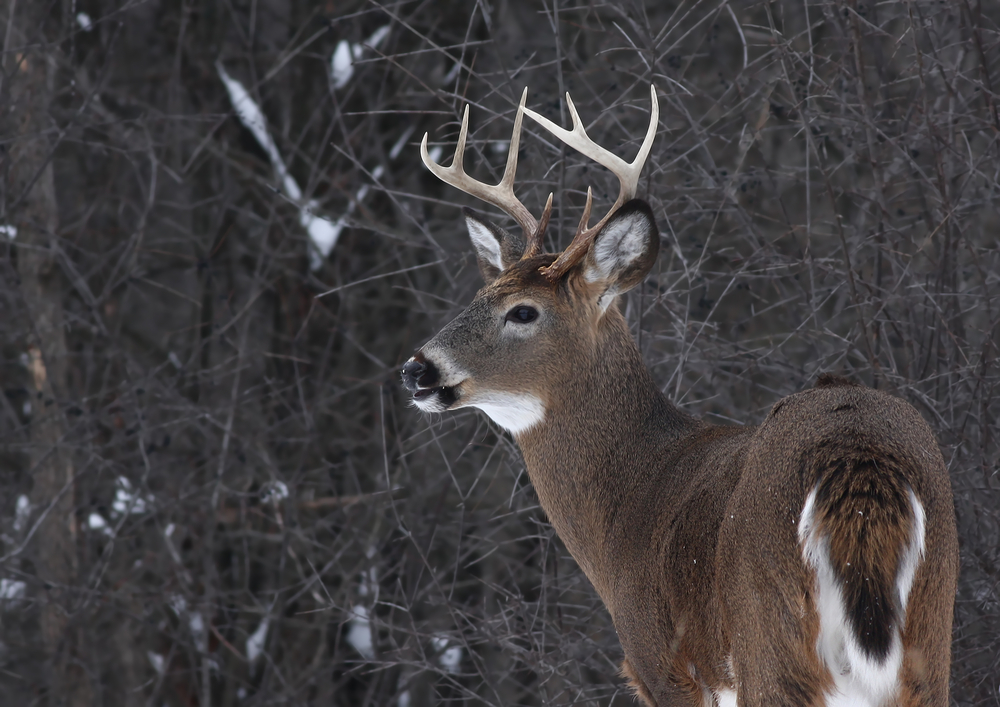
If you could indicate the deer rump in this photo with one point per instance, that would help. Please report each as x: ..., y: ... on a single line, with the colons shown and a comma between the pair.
x: 862, y: 531
x: 829, y: 618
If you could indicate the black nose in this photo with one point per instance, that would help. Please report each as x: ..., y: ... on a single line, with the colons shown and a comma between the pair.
x: 418, y: 373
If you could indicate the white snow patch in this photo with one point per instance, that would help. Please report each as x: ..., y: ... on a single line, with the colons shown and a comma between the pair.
x: 344, y: 56
x: 255, y: 643
x: 377, y: 36
x: 451, y: 656
x: 323, y: 233
x: 274, y: 492
x: 83, y: 19
x: 12, y: 590
x: 341, y: 64
x: 252, y: 118
x: 127, y: 500
x: 22, y: 509
x: 404, y: 699
x: 175, y: 361
x: 158, y: 662
x: 26, y: 408
x: 9, y: 231
x: 95, y: 521
x: 360, y: 633
x: 194, y: 620
x: 197, y: 625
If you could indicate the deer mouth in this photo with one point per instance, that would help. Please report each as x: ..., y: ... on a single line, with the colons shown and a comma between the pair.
x: 437, y: 399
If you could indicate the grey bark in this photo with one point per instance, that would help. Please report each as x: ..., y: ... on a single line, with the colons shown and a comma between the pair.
x: 30, y: 205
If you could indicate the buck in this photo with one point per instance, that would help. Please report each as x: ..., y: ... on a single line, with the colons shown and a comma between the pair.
x: 810, y: 560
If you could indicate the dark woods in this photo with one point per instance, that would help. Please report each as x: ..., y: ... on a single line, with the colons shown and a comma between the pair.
x: 217, y: 244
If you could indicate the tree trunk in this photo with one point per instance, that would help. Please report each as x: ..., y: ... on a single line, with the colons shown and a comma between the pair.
x: 30, y: 205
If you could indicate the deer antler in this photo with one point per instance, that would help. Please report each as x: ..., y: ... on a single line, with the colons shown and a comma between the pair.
x: 628, y: 176
x: 500, y: 195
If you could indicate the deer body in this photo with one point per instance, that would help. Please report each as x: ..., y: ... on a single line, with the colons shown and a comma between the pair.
x: 809, y: 561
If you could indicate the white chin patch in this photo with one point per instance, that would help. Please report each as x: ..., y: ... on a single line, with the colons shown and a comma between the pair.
x: 515, y: 412
x: 431, y: 403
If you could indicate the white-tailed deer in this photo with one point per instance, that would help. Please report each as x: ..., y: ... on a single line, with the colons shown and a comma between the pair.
x: 811, y: 560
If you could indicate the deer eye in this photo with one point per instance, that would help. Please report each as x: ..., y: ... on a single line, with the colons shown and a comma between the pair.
x: 522, y: 314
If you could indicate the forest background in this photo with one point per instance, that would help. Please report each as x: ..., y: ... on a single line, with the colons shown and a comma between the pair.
x: 213, y: 490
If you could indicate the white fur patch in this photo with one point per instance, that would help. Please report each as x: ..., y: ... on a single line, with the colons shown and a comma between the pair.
x: 515, y: 412
x: 485, y: 242
x: 725, y: 698
x: 621, y: 243
x: 914, y: 552
x: 859, y: 680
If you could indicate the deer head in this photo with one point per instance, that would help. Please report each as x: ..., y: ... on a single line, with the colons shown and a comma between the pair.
x: 540, y: 318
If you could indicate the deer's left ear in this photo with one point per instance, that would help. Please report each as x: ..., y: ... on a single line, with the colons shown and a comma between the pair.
x: 624, y: 251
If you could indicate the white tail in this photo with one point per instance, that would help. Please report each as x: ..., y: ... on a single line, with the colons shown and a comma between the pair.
x: 811, y: 560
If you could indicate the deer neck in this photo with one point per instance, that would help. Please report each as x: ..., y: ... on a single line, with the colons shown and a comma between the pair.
x: 584, y: 458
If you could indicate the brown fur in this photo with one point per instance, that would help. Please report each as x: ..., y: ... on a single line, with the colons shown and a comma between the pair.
x: 687, y: 530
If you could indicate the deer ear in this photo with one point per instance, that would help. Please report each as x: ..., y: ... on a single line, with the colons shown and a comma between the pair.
x: 624, y: 251
x: 496, y: 249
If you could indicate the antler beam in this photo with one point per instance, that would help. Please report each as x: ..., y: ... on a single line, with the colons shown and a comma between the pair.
x: 501, y: 195
x: 627, y: 173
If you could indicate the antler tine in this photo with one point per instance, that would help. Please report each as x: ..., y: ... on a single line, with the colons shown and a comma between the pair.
x: 537, y: 238
x: 627, y: 173
x: 501, y: 195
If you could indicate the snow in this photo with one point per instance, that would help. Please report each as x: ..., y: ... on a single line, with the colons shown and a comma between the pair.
x: 252, y: 118
x: 12, y: 590
x: 127, y: 500
x: 255, y: 643
x: 377, y: 36
x: 197, y: 625
x: 451, y: 656
x: 274, y: 491
x: 22, y: 510
x: 157, y: 661
x: 322, y: 233
x: 9, y: 231
x: 342, y: 60
x: 341, y: 64
x: 360, y: 633
x: 95, y: 521
x: 194, y: 620
x: 83, y: 19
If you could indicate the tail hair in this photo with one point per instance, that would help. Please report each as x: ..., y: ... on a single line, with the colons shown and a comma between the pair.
x: 862, y: 531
